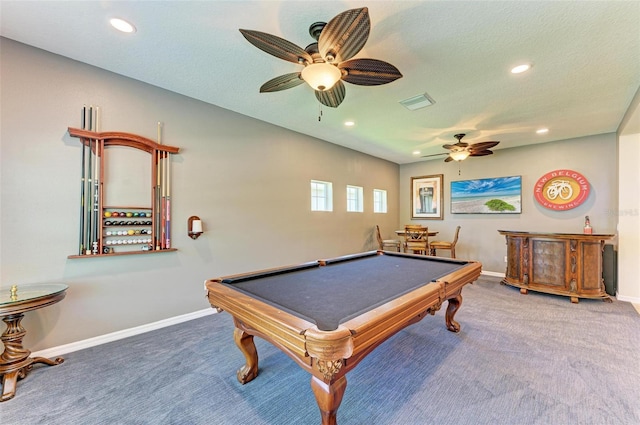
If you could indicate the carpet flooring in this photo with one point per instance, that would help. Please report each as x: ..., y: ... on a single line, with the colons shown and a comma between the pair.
x: 519, y: 359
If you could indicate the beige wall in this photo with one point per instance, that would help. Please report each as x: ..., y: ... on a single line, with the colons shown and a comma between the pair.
x: 247, y: 180
x: 593, y: 156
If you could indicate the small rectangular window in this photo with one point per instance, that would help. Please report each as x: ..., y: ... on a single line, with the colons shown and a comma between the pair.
x: 379, y: 201
x: 321, y: 196
x: 354, y: 199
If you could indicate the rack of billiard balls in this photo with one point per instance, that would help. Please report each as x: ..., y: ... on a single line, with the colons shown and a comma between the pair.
x: 132, y: 236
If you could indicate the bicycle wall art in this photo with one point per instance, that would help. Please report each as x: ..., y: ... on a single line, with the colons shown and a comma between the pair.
x: 561, y: 190
x: 500, y: 195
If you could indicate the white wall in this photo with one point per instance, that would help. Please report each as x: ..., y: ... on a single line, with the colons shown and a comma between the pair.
x: 593, y: 156
x: 629, y: 205
x: 247, y: 180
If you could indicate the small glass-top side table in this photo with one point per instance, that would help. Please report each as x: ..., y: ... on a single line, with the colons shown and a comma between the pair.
x: 15, y: 360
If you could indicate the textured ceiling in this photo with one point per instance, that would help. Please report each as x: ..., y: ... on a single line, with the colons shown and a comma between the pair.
x: 585, y: 56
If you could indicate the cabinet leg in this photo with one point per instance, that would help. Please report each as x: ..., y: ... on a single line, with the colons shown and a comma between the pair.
x: 574, y: 300
x: 524, y: 291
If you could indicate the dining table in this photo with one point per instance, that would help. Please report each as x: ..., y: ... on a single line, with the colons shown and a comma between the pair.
x: 402, y: 232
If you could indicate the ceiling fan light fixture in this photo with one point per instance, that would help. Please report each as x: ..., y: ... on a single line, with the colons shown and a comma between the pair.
x: 321, y: 76
x: 459, y: 155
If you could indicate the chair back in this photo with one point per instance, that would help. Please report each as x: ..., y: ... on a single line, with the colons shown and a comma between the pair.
x: 416, y: 238
x: 455, y: 238
x: 380, y: 243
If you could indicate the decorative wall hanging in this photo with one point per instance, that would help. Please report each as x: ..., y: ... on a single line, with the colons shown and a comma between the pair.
x: 501, y: 195
x: 561, y: 190
x: 426, y: 197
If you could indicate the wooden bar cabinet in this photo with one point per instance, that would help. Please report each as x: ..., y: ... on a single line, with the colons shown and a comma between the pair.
x: 567, y: 264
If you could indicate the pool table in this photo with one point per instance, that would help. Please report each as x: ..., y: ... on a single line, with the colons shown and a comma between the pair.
x: 327, y: 315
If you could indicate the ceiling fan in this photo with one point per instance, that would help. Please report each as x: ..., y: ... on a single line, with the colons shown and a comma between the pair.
x: 461, y: 150
x: 326, y: 62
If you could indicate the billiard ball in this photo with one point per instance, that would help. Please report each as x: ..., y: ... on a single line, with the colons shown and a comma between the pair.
x: 107, y: 214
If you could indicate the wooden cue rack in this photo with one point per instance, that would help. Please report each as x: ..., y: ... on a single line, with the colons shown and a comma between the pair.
x: 156, y: 227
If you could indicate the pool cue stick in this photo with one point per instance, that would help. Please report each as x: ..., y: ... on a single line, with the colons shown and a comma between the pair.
x: 163, y: 243
x: 163, y: 180
x: 156, y: 201
x: 96, y: 189
x: 89, y: 228
x: 168, y: 201
x: 158, y: 205
x: 82, y: 175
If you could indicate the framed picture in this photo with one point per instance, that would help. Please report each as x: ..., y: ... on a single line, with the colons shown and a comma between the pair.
x: 501, y: 195
x: 426, y: 197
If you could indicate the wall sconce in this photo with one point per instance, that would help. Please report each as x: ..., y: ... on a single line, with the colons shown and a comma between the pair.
x: 194, y: 227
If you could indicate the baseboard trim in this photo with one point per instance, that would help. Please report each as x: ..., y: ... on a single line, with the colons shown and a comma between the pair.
x: 494, y: 274
x: 633, y: 300
x: 125, y: 333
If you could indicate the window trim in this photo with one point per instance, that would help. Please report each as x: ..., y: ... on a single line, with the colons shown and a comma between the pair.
x: 384, y: 205
x: 359, y: 201
x: 327, y: 198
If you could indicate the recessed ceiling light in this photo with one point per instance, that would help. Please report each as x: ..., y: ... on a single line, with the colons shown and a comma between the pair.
x: 542, y: 131
x: 122, y: 25
x: 521, y: 68
x: 416, y: 152
x: 349, y: 123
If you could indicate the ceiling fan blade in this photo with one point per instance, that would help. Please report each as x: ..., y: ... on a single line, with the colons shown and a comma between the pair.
x: 456, y: 146
x: 282, y: 82
x: 481, y: 153
x: 435, y: 154
x: 448, y: 159
x: 368, y: 72
x: 345, y: 35
x: 276, y: 46
x: 332, y: 97
x: 482, y: 146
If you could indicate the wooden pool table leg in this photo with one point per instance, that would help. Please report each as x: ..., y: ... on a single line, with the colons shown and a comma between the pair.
x: 452, y: 308
x: 245, y: 343
x: 329, y: 397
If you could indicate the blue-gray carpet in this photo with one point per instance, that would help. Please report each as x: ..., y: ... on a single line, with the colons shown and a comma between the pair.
x: 519, y: 359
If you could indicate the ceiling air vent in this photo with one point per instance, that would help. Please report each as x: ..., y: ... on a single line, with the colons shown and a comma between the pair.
x: 417, y: 102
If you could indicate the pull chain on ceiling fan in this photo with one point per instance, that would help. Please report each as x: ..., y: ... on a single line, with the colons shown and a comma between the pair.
x: 327, y: 62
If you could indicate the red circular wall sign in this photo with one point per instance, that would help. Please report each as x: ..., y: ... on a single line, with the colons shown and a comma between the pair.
x: 561, y: 190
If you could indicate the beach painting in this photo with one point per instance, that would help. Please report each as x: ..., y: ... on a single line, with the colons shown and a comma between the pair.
x: 500, y: 195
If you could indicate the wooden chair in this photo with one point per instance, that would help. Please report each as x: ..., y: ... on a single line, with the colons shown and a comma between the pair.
x: 445, y: 245
x: 416, y: 239
x: 384, y: 244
